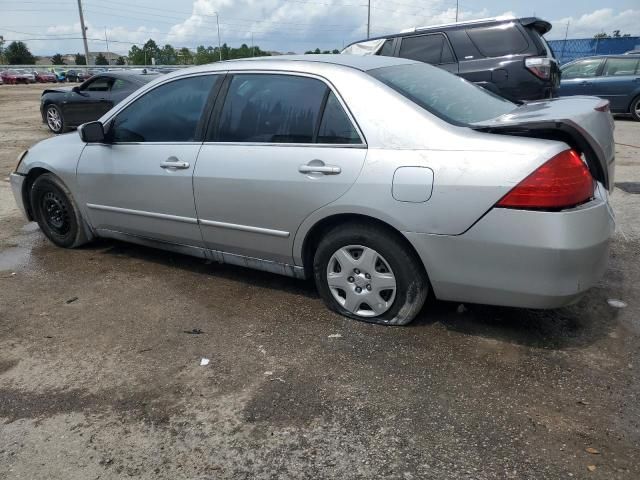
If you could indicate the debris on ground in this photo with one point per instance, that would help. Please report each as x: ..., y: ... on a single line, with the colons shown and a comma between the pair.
x: 268, y: 373
x: 591, y: 468
x: 71, y: 300
x: 204, y: 362
x: 592, y: 451
x: 615, y: 303
x: 193, y: 331
x: 335, y: 335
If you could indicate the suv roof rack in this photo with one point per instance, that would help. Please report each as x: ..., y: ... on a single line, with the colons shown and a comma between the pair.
x: 453, y: 24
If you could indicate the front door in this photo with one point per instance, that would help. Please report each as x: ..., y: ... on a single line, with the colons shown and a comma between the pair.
x: 89, y: 103
x: 140, y: 182
x: 579, y: 77
x: 283, y: 147
x: 619, y: 78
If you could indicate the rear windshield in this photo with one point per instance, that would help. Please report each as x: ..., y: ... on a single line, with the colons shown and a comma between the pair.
x: 445, y: 95
x: 499, y: 40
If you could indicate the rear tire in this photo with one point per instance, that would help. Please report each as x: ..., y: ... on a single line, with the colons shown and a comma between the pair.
x: 635, y: 109
x: 375, y: 277
x: 56, y: 213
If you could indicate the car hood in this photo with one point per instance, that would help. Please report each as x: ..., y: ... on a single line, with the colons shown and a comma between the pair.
x: 581, y: 121
x: 57, y: 90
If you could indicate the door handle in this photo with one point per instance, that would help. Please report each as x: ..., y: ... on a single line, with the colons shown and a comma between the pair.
x: 174, y: 164
x: 318, y: 166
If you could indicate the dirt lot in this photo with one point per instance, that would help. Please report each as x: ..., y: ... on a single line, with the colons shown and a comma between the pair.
x: 100, y: 374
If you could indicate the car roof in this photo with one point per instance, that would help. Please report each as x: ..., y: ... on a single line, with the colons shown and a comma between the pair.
x: 287, y: 62
x: 541, y: 25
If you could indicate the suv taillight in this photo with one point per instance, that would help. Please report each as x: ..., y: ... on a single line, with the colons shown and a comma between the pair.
x: 539, y: 66
x: 562, y: 182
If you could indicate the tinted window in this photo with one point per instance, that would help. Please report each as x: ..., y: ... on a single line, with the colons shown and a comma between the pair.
x: 120, y: 84
x: 582, y: 69
x: 504, y: 39
x: 424, y: 48
x: 620, y: 66
x: 387, y: 48
x: 335, y: 126
x: 271, y: 108
x: 442, y: 93
x: 100, y: 84
x: 169, y: 113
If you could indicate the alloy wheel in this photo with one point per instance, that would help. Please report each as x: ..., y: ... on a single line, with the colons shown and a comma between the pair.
x: 53, y: 119
x: 361, y: 280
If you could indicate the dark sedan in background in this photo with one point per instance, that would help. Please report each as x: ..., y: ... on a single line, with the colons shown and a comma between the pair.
x: 66, y: 107
x: 613, y: 77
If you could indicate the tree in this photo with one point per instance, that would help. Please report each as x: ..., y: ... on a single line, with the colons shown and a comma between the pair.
x: 57, y: 59
x: 185, y: 57
x: 602, y: 35
x: 1, y: 49
x: 335, y: 51
x: 120, y: 61
x: 17, y: 53
x: 80, y: 59
x: 101, y: 59
x: 167, y: 56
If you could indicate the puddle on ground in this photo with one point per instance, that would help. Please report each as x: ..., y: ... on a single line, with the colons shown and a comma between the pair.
x: 12, y: 258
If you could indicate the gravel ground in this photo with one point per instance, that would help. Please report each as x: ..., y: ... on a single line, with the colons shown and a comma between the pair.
x: 100, y: 372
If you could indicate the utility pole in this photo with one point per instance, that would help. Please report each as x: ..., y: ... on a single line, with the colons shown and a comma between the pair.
x: 457, y: 1
x: 369, y: 19
x: 107, y: 42
x: 564, y: 44
x: 84, y: 32
x: 219, y: 45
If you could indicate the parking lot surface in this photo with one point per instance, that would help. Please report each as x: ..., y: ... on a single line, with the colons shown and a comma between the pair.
x: 100, y: 375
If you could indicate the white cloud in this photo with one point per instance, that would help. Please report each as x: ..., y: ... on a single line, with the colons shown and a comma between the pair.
x: 602, y: 20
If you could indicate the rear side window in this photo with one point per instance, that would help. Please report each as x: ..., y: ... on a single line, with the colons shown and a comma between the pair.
x: 582, y: 69
x: 336, y: 127
x: 426, y: 48
x: 497, y: 41
x: 168, y: 113
x: 620, y: 66
x: 387, y: 48
x: 271, y: 109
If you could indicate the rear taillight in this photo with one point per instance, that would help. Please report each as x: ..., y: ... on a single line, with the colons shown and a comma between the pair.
x: 562, y: 182
x: 539, y: 66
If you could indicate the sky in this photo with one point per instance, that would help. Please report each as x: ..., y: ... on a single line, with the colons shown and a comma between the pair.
x: 279, y: 25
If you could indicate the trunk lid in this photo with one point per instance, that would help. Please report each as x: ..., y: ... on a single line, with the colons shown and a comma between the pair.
x: 584, y: 123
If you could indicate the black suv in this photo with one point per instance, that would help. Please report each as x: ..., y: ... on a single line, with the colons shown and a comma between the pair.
x: 506, y: 55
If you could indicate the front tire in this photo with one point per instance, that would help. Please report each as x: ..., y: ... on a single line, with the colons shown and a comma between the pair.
x: 56, y: 213
x: 370, y: 274
x: 55, y: 120
x: 635, y: 109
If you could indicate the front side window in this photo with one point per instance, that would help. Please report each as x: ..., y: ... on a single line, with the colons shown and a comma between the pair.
x: 582, y: 69
x: 168, y: 113
x: 616, y: 67
x: 268, y: 108
x: 120, y: 84
x: 100, y: 84
x: 504, y: 39
x: 445, y: 95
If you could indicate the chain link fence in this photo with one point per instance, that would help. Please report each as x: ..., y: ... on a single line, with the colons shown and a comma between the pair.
x: 572, y: 49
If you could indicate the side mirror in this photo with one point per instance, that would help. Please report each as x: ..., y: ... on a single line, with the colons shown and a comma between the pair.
x: 92, y: 132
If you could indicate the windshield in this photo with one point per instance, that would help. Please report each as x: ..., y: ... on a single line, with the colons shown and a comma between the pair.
x: 445, y: 95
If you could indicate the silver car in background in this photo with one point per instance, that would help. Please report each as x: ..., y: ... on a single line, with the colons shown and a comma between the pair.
x: 379, y: 177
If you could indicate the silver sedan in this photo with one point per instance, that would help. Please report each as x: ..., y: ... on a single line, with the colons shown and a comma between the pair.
x: 381, y: 178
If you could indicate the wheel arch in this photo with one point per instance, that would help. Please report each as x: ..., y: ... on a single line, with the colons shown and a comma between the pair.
x: 315, y: 234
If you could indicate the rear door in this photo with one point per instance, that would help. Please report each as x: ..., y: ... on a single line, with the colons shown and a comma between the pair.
x: 432, y: 48
x: 618, y: 82
x: 578, y: 78
x: 283, y: 145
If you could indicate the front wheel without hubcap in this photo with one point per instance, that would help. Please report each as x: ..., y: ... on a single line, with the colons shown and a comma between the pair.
x: 370, y: 274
